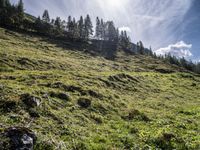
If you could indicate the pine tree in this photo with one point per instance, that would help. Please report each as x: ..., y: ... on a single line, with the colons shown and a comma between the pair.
x: 125, y: 41
x: 111, y: 32
x: 69, y: 23
x: 117, y: 35
x: 20, y: 7
x: 45, y: 16
x: 20, y: 10
x: 141, y: 48
x: 5, y: 4
x: 98, y: 28
x: 52, y: 22
x: 38, y: 25
x: 70, y: 27
x: 183, y: 62
x: 58, y: 24
x: 81, y: 28
x: 102, y: 30
x: 2, y: 4
x: 75, y: 32
x: 88, y: 27
x: 150, y: 52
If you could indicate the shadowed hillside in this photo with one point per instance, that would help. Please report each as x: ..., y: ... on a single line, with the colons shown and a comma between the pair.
x: 71, y: 97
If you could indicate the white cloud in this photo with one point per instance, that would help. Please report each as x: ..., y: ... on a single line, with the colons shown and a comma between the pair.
x: 127, y: 29
x: 180, y: 49
x: 196, y: 60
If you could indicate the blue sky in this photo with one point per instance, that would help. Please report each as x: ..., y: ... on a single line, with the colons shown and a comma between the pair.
x: 165, y: 25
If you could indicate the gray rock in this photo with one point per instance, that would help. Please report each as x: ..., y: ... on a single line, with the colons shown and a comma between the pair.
x: 20, y: 138
x: 30, y: 100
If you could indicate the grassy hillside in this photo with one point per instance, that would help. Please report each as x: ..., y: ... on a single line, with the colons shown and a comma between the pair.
x: 90, y: 102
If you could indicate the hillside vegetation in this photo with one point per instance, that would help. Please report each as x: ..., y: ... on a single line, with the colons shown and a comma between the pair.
x: 90, y: 102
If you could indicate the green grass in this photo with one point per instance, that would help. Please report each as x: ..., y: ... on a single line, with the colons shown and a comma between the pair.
x: 130, y: 85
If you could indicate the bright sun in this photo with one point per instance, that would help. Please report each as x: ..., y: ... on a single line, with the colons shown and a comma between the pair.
x: 114, y: 3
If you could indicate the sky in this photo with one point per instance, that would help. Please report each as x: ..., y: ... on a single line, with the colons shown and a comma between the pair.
x: 168, y: 26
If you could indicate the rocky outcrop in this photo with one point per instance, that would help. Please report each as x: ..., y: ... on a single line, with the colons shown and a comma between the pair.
x: 20, y: 138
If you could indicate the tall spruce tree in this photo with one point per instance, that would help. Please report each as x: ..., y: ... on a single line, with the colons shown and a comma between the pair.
x: 98, y: 28
x: 88, y: 27
x: 141, y: 48
x: 38, y: 25
x: 18, y: 18
x: 58, y: 25
x: 124, y: 40
x: 110, y: 31
x: 46, y: 17
x: 70, y: 27
x: 75, y: 32
x: 81, y: 27
x: 20, y: 7
x: 102, y: 30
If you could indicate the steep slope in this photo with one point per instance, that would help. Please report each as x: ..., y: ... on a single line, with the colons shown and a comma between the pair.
x: 90, y: 102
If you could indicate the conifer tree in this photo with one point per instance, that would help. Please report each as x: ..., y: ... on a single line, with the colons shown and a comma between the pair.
x: 20, y: 12
x: 88, y: 27
x: 58, y: 24
x: 98, y: 28
x: 141, y: 48
x: 150, y: 52
x: 81, y: 28
x: 38, y: 25
x: 20, y: 7
x: 75, y: 32
x: 117, y: 35
x: 125, y: 41
x: 102, y: 30
x: 111, y: 33
x: 45, y: 16
x: 70, y: 27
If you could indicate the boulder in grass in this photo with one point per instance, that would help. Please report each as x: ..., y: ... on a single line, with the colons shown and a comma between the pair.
x: 20, y: 138
x: 30, y: 101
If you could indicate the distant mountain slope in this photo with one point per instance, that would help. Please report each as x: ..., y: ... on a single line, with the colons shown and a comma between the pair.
x: 73, y: 96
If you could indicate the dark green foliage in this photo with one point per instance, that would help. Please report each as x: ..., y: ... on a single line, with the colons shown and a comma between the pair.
x: 58, y: 25
x: 111, y: 33
x: 181, y: 62
x: 140, y: 48
x: 10, y: 15
x: 124, y: 40
x: 20, y: 8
